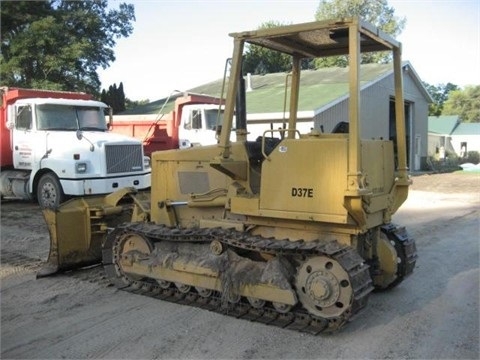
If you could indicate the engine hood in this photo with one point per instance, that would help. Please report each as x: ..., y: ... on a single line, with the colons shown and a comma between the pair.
x: 99, y: 138
x: 86, y: 141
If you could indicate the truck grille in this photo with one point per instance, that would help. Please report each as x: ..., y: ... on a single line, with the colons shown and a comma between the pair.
x: 123, y: 158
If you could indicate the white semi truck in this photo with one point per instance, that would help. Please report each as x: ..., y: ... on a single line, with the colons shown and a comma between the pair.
x: 57, y: 144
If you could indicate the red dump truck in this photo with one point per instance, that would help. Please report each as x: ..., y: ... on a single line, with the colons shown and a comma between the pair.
x: 193, y: 121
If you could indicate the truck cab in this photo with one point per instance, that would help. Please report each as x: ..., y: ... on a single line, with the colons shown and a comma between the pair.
x: 61, y: 147
x: 200, y: 124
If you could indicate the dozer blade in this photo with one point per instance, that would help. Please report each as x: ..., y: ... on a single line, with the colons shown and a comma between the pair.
x: 78, y: 227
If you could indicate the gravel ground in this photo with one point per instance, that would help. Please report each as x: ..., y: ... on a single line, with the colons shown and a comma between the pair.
x: 434, y: 314
x: 456, y: 182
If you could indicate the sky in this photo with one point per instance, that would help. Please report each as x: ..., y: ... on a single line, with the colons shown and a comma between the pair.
x: 181, y: 44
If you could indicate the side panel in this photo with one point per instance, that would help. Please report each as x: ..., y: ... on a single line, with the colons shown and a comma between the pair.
x: 183, y: 182
x: 155, y: 133
x: 378, y: 166
x: 306, y: 179
x: 379, y: 172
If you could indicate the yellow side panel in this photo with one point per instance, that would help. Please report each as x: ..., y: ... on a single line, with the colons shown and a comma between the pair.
x: 378, y: 166
x: 179, y: 174
x: 308, y: 177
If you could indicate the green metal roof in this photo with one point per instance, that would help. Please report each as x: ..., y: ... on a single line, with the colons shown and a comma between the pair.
x: 443, y: 124
x: 467, y: 129
x: 451, y: 125
x: 318, y: 88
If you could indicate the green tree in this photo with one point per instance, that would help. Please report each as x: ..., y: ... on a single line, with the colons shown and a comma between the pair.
x: 439, y: 95
x: 121, y: 98
x: 259, y: 60
x: 114, y: 97
x: 376, y: 12
x: 131, y: 104
x: 465, y: 103
x: 59, y: 45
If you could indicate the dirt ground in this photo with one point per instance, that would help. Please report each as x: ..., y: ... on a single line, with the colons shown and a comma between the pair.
x: 434, y: 314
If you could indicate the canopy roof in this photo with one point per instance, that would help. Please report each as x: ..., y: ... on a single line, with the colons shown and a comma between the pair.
x: 319, y: 38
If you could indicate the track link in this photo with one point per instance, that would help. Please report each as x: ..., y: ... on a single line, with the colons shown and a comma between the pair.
x: 406, y: 250
x: 297, y: 319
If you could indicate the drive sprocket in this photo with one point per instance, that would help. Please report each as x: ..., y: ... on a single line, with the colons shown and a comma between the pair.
x: 324, y: 287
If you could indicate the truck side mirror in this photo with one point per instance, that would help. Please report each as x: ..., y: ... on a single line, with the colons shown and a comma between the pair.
x: 110, y: 118
x: 79, y: 135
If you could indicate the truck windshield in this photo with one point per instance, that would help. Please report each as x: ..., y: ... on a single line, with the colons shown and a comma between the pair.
x: 211, y: 119
x: 67, y: 117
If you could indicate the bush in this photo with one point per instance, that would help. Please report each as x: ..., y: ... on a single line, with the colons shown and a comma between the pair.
x: 472, y: 157
x: 449, y: 164
x: 452, y: 161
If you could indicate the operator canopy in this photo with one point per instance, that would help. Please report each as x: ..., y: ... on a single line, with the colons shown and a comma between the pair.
x: 319, y: 38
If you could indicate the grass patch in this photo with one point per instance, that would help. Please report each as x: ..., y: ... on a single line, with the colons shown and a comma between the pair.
x: 469, y: 172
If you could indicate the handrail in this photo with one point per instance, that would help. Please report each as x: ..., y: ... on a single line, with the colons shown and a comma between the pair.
x: 283, y: 131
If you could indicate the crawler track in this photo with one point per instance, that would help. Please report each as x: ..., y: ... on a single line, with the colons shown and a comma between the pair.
x: 297, y: 319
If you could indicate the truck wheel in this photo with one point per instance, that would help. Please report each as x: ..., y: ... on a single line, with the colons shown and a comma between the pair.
x: 49, y: 191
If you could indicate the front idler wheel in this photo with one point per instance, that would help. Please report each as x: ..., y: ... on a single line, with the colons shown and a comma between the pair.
x: 126, y: 249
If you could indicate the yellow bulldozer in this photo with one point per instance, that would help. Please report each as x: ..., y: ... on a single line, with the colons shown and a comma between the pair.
x: 292, y: 229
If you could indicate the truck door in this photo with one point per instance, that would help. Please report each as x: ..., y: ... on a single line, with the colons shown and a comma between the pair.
x: 22, y: 146
x: 24, y: 138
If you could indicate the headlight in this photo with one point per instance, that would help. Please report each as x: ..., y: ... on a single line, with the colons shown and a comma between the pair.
x: 81, y: 168
x: 184, y: 144
x: 146, y: 162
